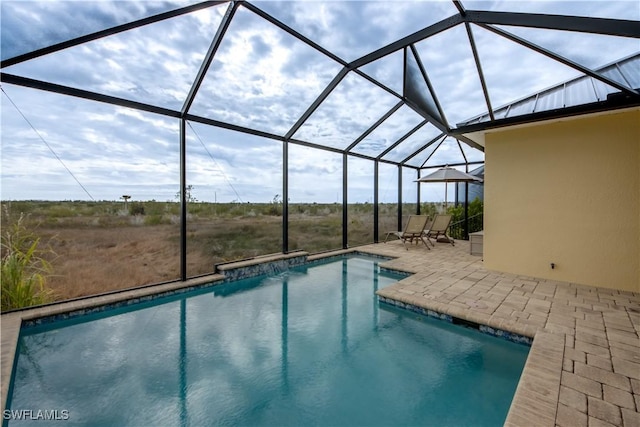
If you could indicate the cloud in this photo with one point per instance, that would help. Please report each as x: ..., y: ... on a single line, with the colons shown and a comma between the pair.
x: 590, y: 50
x: 389, y: 132
x: 265, y: 89
x: 412, y: 144
x: 261, y: 78
x: 28, y: 26
x: 351, y: 29
x: 348, y: 111
x: 531, y: 72
x: 448, y: 60
x: 155, y: 64
x: 91, y: 139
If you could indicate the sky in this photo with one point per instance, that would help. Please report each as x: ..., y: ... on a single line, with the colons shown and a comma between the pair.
x: 56, y: 147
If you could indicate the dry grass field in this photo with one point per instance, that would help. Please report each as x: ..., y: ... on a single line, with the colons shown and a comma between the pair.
x: 100, y: 247
x: 93, y: 261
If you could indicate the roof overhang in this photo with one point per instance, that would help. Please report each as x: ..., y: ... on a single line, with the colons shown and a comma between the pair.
x: 476, y: 132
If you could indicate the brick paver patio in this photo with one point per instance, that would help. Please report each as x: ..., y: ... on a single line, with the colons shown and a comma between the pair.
x: 584, y: 365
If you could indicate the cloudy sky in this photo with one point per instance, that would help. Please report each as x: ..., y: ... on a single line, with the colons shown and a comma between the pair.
x: 62, y: 148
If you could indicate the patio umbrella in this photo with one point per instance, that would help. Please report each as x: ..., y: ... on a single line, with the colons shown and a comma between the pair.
x: 446, y: 175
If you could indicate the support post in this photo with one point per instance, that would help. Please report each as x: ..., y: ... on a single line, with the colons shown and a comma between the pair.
x: 466, y: 206
x: 285, y: 196
x: 466, y: 211
x: 345, y: 210
x: 183, y: 199
x: 376, y: 208
x: 418, y: 193
x: 399, y: 197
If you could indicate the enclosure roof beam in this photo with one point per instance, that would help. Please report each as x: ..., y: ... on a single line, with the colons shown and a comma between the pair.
x: 325, y: 93
x: 262, y: 134
x: 469, y: 142
x: 314, y: 45
x: 213, y: 48
x: 375, y: 125
x: 377, y: 83
x: 464, y: 156
x: 476, y: 58
x: 85, y: 94
x: 292, y: 32
x: 93, y: 96
x: 441, y: 127
x: 229, y: 126
x: 424, y: 147
x: 429, y: 86
x: 476, y: 162
x: 559, y: 58
x: 108, y: 32
x: 429, y: 31
x: 339, y: 151
x: 401, y: 140
x: 433, y: 152
x: 606, y: 26
x: 460, y: 7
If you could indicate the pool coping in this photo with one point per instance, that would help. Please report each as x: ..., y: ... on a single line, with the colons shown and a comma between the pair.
x: 584, y: 365
x: 538, y: 389
x: 12, y: 322
x: 541, y: 396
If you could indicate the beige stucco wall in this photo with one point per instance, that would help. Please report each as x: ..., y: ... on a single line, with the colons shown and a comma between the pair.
x: 566, y: 192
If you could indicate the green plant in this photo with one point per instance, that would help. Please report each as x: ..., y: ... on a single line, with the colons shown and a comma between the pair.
x: 190, y: 198
x: 136, y: 208
x: 24, y: 268
x: 153, y: 220
x: 275, y: 207
x: 429, y: 208
x: 475, y: 218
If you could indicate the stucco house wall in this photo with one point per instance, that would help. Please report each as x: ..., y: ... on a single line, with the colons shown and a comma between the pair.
x: 566, y: 192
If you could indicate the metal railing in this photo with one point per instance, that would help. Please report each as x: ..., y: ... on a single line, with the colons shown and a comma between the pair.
x: 457, y: 229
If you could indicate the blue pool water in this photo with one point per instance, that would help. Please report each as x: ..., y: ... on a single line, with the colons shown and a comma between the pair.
x: 309, y: 347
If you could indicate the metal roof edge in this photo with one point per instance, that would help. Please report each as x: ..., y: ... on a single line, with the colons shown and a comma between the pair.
x: 613, y: 103
x: 602, y: 68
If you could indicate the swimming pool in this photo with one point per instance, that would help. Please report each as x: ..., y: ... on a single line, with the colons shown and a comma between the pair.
x: 311, y: 346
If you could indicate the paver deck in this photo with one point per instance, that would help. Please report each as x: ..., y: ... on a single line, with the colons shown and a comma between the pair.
x: 583, y: 368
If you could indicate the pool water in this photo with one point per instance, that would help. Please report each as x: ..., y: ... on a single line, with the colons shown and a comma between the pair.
x: 311, y: 346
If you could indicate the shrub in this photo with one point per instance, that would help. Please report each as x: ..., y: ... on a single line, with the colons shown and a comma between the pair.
x: 136, y: 208
x: 153, y: 220
x: 475, y: 218
x: 62, y: 211
x: 24, y: 269
x: 274, y: 210
x: 429, y: 209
